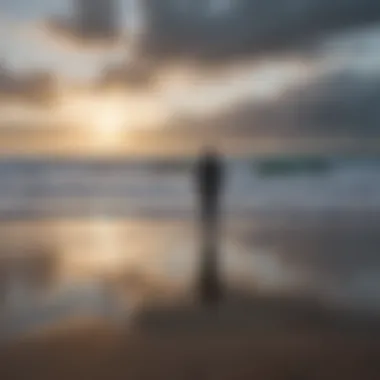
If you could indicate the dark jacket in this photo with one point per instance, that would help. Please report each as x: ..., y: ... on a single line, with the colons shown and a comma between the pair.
x: 210, y: 178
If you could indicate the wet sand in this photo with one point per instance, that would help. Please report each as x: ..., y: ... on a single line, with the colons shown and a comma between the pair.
x: 89, y: 349
x: 55, y: 270
x: 254, y: 339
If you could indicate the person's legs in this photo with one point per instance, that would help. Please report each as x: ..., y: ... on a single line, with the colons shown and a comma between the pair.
x: 209, y: 281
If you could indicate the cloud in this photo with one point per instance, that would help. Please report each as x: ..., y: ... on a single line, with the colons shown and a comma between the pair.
x: 128, y: 75
x: 35, y: 87
x: 93, y: 22
x: 341, y: 103
x: 250, y: 27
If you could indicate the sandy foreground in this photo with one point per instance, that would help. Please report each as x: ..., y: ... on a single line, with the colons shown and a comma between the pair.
x: 187, y: 344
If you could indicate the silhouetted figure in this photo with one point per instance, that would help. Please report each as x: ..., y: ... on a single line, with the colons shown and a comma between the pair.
x: 210, y: 173
x: 210, y: 181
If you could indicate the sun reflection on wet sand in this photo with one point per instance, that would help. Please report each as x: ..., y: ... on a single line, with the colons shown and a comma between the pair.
x: 96, y: 266
x: 52, y: 271
x: 97, y: 250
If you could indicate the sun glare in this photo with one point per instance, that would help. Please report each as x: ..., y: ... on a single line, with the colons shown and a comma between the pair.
x: 108, y: 117
x: 107, y: 122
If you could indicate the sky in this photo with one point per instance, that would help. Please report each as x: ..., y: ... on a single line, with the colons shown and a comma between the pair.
x: 241, y: 68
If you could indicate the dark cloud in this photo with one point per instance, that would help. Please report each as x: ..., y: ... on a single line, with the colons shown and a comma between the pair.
x: 341, y: 104
x: 338, y: 104
x: 134, y: 74
x: 92, y: 21
x: 251, y: 26
x: 38, y: 87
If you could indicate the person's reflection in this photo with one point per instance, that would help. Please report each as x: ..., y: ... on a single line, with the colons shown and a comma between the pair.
x: 209, y: 178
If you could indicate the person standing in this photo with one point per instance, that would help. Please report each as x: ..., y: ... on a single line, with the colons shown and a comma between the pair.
x: 209, y: 179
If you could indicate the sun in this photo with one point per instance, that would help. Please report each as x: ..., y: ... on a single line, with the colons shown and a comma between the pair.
x: 101, y: 119
x: 108, y: 121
